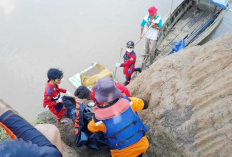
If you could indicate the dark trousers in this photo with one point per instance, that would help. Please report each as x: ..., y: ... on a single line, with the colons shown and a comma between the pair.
x: 140, y: 155
x: 137, y: 156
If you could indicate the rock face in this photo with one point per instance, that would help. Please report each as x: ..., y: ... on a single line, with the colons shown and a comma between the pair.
x: 190, y: 101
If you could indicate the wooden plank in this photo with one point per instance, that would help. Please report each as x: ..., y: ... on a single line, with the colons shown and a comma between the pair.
x: 204, y: 34
x: 183, y: 32
x: 203, y: 21
x: 205, y: 17
x: 188, y: 29
x: 177, y: 28
x: 178, y: 16
x: 165, y: 32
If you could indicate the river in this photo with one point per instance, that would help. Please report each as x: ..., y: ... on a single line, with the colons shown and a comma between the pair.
x: 36, y: 35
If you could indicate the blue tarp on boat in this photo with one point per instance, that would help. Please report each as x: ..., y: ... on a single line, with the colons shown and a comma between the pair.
x: 178, y: 46
x: 220, y: 3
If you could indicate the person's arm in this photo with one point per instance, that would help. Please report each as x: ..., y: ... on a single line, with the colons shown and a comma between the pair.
x: 123, y: 89
x: 129, y: 61
x: 19, y: 147
x: 28, y: 141
x: 158, y: 26
x: 63, y: 90
x: 138, y: 104
x: 96, y: 125
x: 48, y: 100
x: 142, y: 27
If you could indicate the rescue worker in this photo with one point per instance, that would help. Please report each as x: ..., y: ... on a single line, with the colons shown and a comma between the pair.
x: 43, y: 140
x: 52, y: 98
x: 151, y: 36
x: 129, y: 62
x: 83, y: 92
x: 117, y: 119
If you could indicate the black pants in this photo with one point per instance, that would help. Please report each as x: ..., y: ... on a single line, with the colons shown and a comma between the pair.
x: 137, y: 156
x: 140, y: 155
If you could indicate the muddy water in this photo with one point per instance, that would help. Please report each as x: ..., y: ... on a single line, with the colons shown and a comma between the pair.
x: 40, y: 34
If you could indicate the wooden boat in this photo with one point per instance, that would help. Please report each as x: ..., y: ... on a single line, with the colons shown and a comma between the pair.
x: 186, y: 22
x: 89, y: 76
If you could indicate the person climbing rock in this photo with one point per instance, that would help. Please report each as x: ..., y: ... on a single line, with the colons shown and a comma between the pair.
x: 129, y: 62
x: 52, y: 98
x: 152, y: 35
x: 117, y: 119
x: 43, y: 140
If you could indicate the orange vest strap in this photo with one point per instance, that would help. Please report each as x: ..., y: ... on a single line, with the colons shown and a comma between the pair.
x: 8, y: 131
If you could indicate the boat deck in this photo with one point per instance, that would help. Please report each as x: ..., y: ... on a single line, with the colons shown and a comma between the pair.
x: 193, y: 19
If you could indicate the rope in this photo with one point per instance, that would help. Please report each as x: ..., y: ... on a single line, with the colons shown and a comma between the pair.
x: 118, y: 62
x: 170, y: 12
x: 143, y: 35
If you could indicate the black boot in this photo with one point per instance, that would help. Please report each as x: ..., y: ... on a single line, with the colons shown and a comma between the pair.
x: 138, y: 69
x: 125, y: 83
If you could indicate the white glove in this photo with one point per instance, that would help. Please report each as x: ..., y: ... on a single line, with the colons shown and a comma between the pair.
x: 68, y: 93
x: 60, y: 99
x: 91, y: 104
x: 117, y: 64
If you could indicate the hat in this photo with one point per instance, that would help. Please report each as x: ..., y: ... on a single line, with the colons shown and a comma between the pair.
x: 105, y: 90
x: 130, y: 43
x: 152, y: 10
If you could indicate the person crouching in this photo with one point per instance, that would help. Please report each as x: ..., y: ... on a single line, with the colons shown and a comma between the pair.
x: 117, y: 119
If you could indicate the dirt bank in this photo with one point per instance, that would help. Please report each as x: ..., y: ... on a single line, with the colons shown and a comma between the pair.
x: 190, y: 98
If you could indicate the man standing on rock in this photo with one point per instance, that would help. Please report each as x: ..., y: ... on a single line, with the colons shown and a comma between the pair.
x: 151, y: 36
x: 117, y: 119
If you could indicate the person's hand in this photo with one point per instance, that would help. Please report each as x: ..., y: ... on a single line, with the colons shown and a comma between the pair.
x: 154, y: 25
x: 59, y: 100
x: 141, y: 36
x: 68, y: 93
x: 117, y: 64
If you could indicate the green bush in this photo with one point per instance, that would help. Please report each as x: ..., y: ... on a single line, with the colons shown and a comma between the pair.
x: 3, y: 134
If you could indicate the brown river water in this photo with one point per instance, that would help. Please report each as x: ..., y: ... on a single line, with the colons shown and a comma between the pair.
x: 36, y: 35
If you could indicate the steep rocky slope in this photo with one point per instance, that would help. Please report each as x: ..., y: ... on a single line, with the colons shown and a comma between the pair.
x: 190, y: 98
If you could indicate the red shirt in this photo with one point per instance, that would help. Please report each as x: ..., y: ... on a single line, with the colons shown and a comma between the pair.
x: 51, y: 94
x: 121, y: 87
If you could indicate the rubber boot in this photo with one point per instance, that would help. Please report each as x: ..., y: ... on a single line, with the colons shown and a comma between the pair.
x: 150, y: 60
x: 125, y: 83
x: 138, y: 69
